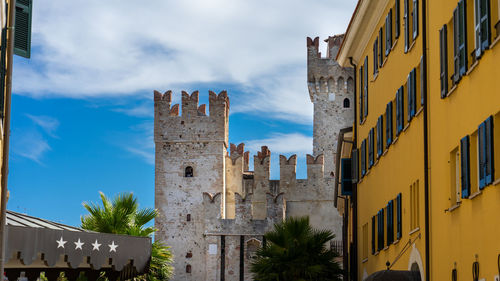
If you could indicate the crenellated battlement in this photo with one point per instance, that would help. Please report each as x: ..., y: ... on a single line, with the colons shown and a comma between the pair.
x: 275, y: 207
x: 193, y: 124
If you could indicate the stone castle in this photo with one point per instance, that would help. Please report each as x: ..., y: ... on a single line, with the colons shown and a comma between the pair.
x: 213, y: 210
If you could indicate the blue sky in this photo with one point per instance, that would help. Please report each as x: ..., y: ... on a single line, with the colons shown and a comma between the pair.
x: 82, y: 106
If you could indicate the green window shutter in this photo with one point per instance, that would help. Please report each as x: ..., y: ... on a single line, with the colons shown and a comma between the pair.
x: 346, y: 180
x: 365, y: 109
x: 462, y: 37
x: 409, y: 90
x: 380, y: 136
x: 375, y: 56
x: 443, y: 60
x: 360, y: 94
x: 370, y: 148
x: 422, y: 87
x: 465, y: 166
x: 413, y: 108
x: 482, y: 25
x: 388, y: 33
x: 388, y: 126
x: 390, y: 222
x: 406, y: 25
x: 22, y: 28
x: 397, y: 21
x: 373, y: 235
x: 355, y: 165
x: 399, y: 217
x: 488, y: 151
x: 381, y: 48
x: 456, y: 60
x: 482, y: 155
x: 415, y: 19
x: 485, y: 24
x: 363, y: 157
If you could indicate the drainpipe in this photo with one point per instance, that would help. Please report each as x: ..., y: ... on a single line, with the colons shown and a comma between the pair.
x: 6, y: 131
x: 426, y: 141
x: 354, y: 253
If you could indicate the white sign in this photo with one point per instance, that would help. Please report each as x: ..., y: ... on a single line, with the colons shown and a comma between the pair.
x: 212, y: 249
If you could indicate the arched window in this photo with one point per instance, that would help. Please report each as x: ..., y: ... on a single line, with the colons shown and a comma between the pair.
x: 188, y: 173
x: 347, y: 103
x: 188, y: 268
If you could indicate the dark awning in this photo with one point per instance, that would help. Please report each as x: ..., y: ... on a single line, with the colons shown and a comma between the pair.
x: 34, y: 242
x: 394, y: 275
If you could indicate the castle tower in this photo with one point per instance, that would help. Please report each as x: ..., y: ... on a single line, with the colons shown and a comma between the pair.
x: 331, y: 89
x: 190, y: 151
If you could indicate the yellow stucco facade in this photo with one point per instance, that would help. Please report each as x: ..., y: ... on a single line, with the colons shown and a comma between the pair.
x: 429, y: 114
x: 463, y: 230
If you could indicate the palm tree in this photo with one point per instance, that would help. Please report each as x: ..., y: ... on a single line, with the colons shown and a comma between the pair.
x: 296, y: 251
x: 121, y: 215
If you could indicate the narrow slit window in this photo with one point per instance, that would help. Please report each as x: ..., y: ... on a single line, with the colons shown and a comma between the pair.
x: 188, y: 172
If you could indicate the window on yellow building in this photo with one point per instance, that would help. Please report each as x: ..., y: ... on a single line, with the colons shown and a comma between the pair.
x: 460, y: 40
x: 399, y: 217
x: 388, y: 125
x: 365, y: 88
x: 473, y: 164
x: 380, y: 228
x: 390, y: 222
x: 397, y: 19
x: 443, y: 59
x: 410, y: 22
x: 465, y: 166
x: 412, y: 93
x: 455, y: 183
x: 399, y: 110
x: 485, y: 152
x: 363, y: 158
x: 414, y: 206
x: 361, y: 114
x: 414, y: 17
x: 406, y: 18
x: 373, y: 235
x: 388, y: 33
x: 371, y: 148
x: 482, y: 25
x: 380, y: 135
x: 365, y: 241
x: 381, y: 47
x: 375, y: 57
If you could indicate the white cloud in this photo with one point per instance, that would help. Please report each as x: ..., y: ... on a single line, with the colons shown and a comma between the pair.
x: 29, y: 144
x: 47, y: 123
x: 93, y: 48
x: 292, y: 143
x: 141, y: 142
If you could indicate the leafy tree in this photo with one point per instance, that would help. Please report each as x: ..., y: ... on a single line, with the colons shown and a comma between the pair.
x: 121, y: 215
x: 296, y: 251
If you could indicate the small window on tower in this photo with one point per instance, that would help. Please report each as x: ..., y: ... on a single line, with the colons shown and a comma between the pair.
x: 188, y: 173
x: 188, y: 268
x: 347, y: 103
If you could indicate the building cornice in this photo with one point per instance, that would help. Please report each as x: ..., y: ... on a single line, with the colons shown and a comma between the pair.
x: 362, y: 25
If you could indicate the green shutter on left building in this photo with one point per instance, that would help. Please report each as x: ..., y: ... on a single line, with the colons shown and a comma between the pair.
x: 22, y: 28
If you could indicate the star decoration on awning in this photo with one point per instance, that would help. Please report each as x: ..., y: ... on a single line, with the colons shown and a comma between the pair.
x: 78, y: 244
x: 112, y: 247
x: 96, y: 245
x: 60, y: 243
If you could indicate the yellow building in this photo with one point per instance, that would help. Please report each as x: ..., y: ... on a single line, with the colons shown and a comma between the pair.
x: 464, y: 137
x: 423, y: 193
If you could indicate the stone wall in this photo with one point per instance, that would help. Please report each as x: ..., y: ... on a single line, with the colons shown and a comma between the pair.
x: 330, y: 85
